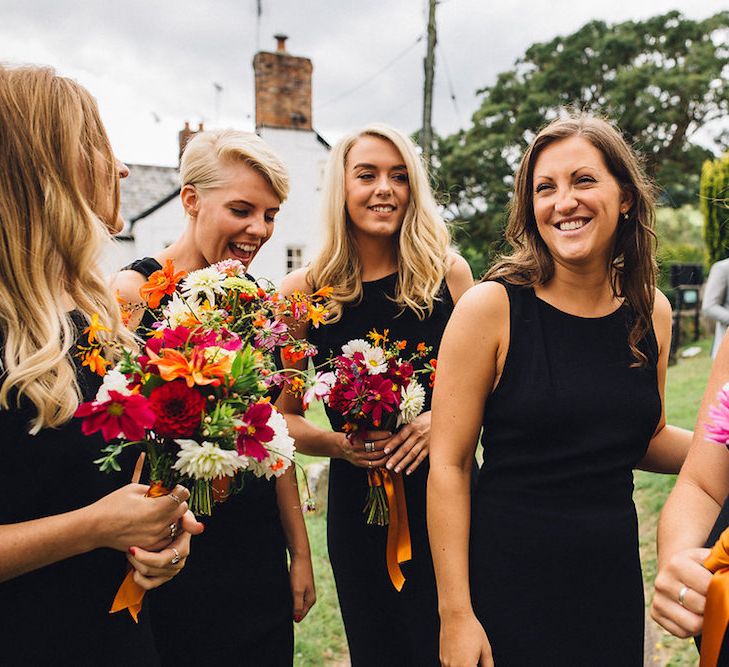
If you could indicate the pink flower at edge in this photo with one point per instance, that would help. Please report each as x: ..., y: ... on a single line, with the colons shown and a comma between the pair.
x: 255, y: 431
x: 121, y: 416
x: 323, y: 383
x: 717, y: 428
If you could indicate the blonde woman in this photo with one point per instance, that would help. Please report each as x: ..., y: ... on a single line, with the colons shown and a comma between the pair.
x: 386, y: 256
x: 232, y: 187
x: 560, y: 357
x: 65, y: 527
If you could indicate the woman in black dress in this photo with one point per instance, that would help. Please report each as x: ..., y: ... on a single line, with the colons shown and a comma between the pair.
x: 241, y: 597
x: 67, y: 530
x: 560, y: 355
x: 386, y: 256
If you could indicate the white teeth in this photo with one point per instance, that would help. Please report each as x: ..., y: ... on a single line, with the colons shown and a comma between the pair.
x: 245, y: 247
x: 382, y: 209
x: 572, y: 224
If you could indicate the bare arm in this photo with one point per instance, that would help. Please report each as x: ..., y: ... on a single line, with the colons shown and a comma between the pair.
x: 670, y: 444
x: 712, y: 304
x: 301, y: 574
x: 688, y: 517
x: 126, y: 285
x: 479, y: 322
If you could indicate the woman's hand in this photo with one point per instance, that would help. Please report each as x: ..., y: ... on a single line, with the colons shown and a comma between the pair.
x: 684, y: 570
x: 409, y: 447
x: 301, y: 578
x: 463, y: 642
x: 127, y: 518
x: 364, y: 449
x: 154, y: 568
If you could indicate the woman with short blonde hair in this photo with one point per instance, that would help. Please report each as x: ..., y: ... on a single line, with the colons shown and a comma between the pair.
x: 65, y: 527
x: 386, y: 256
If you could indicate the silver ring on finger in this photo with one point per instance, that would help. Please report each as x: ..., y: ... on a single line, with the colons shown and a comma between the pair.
x: 369, y: 447
x: 682, y: 595
x: 176, y: 557
x: 174, y: 498
x: 173, y: 530
x: 369, y: 463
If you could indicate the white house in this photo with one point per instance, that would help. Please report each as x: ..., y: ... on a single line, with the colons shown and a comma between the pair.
x: 150, y: 195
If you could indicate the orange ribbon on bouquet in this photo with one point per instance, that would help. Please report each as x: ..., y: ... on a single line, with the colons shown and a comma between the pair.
x: 716, y: 612
x: 399, y: 549
x: 130, y: 593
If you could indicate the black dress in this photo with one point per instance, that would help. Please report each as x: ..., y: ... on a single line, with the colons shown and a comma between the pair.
x: 555, y: 570
x: 59, y: 614
x: 232, y: 603
x: 384, y: 627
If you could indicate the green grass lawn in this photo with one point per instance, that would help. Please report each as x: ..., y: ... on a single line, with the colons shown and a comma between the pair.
x: 320, y: 638
x: 684, y: 390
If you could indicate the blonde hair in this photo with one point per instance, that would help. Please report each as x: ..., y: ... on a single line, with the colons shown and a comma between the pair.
x: 206, y: 151
x: 422, y: 243
x: 633, y: 261
x: 57, y: 177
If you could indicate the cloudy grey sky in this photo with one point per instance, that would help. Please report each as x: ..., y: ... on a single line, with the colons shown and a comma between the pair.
x: 152, y: 63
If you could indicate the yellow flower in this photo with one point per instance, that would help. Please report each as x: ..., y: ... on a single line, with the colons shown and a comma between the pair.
x: 378, y: 338
x: 316, y: 314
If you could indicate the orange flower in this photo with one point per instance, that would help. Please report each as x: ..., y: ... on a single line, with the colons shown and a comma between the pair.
x: 160, y: 283
x: 292, y: 355
x: 316, y: 314
x: 296, y: 386
x: 421, y: 348
x: 433, y: 365
x: 261, y: 319
x: 96, y: 363
x: 378, y: 338
x: 195, y: 370
x: 93, y: 329
x: 324, y: 292
x: 401, y: 344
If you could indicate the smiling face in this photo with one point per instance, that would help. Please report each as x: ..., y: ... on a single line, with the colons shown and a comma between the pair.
x: 234, y: 220
x: 577, y: 202
x: 377, y: 189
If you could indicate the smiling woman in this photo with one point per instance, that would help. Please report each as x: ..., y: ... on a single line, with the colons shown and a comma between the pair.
x: 232, y: 188
x: 560, y: 356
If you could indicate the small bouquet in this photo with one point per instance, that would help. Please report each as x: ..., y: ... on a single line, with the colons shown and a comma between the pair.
x: 195, y: 397
x: 372, y: 387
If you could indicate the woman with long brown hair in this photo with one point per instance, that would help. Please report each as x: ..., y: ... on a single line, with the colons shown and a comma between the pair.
x: 67, y: 530
x: 560, y: 356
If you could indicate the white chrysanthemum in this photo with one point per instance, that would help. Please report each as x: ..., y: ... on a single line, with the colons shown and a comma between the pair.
x: 207, y: 461
x: 114, y: 380
x: 280, y: 450
x: 205, y: 281
x: 375, y: 361
x: 356, y: 345
x: 178, y: 310
x: 412, y: 402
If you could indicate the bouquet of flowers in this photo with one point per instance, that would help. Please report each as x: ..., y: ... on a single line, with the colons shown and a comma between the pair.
x: 194, y: 398
x: 372, y: 387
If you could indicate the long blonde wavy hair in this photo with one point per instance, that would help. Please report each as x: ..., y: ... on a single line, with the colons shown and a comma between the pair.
x: 632, y: 264
x: 421, y: 244
x: 58, y: 179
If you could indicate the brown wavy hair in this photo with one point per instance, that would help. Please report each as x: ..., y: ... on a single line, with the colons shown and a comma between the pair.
x: 632, y: 264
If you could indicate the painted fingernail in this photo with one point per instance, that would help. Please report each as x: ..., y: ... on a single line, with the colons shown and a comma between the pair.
x: 297, y: 618
x: 132, y: 551
x: 388, y: 466
x: 202, y: 527
x: 387, y: 450
x: 397, y: 469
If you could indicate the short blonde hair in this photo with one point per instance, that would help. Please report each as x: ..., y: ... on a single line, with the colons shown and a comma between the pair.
x: 57, y: 178
x: 208, y: 150
x: 422, y: 243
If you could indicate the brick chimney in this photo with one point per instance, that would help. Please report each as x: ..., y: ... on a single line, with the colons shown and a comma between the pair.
x: 187, y: 133
x: 283, y: 88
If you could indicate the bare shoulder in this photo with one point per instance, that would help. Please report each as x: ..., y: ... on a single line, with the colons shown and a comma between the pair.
x: 662, y: 311
x: 458, y: 275
x: 484, y: 305
x: 127, y: 284
x: 296, y: 281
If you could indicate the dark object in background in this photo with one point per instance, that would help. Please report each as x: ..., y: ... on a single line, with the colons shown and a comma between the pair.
x: 686, y: 279
x: 687, y: 274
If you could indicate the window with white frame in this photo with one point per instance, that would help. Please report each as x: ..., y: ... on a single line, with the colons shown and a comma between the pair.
x: 294, y: 258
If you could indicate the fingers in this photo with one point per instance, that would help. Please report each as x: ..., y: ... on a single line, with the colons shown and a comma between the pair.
x: 367, y: 453
x: 148, y: 583
x: 190, y: 524
x: 164, y: 563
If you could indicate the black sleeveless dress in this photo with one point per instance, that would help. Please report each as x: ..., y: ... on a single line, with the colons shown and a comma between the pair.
x: 59, y: 614
x: 384, y: 628
x: 232, y: 603
x: 555, y: 570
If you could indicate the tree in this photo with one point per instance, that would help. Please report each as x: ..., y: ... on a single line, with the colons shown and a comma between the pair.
x: 660, y: 79
x: 715, y: 208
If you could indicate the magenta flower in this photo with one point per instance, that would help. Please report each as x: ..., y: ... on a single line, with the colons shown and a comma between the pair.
x: 119, y: 417
x: 717, y: 429
x: 255, y: 431
x: 273, y: 333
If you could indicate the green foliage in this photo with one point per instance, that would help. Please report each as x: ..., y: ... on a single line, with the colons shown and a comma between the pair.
x: 660, y: 79
x: 715, y: 208
x: 680, y: 241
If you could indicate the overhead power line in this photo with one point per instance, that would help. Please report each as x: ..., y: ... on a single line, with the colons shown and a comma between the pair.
x: 451, y: 89
x: 372, y: 76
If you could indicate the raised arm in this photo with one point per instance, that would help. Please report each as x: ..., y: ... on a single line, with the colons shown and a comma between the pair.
x: 471, y: 358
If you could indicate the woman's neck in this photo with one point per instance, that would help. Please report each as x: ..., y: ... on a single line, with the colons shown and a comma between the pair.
x: 377, y: 256
x: 184, y: 254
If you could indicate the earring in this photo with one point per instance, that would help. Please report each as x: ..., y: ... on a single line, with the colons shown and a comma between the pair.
x: 625, y: 215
